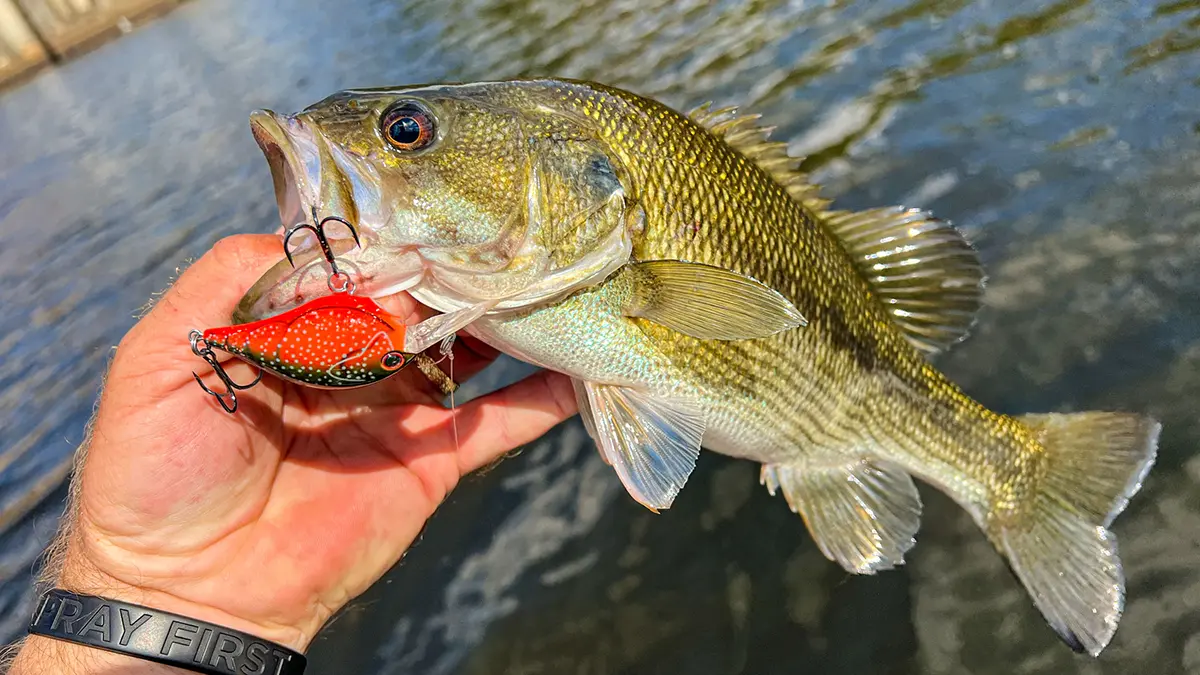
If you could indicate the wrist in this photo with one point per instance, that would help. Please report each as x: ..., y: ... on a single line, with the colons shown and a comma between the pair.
x: 85, y: 578
x: 160, y: 637
x: 98, y: 583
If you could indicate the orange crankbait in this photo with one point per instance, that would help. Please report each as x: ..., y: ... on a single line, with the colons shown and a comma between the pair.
x: 332, y: 342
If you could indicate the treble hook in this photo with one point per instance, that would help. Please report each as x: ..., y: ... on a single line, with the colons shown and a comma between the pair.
x: 319, y: 231
x: 200, y: 348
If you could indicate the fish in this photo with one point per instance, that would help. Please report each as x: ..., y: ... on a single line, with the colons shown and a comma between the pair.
x: 701, y: 293
x: 337, y: 341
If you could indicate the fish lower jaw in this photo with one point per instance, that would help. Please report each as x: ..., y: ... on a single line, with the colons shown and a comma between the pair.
x: 399, y: 286
x: 440, y: 299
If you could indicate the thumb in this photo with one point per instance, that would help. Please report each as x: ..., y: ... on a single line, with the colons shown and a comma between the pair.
x: 204, y: 296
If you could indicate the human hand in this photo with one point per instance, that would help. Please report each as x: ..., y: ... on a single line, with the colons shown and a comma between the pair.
x: 270, y: 520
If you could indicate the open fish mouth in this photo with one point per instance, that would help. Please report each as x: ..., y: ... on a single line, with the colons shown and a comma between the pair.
x: 308, y: 175
x: 271, y: 141
x: 312, y: 182
x: 277, y: 149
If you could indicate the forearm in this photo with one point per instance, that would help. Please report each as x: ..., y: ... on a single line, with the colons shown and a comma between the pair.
x: 39, y: 655
x: 69, y: 569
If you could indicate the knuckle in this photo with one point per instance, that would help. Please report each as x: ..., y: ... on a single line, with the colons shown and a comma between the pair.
x: 240, y: 252
x: 230, y: 251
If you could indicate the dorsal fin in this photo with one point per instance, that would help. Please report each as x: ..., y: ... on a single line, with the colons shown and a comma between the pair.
x: 923, y: 270
x: 744, y: 134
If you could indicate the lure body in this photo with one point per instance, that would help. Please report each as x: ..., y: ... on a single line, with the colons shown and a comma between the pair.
x: 336, y: 341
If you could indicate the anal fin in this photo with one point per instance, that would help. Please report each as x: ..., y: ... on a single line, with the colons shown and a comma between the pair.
x: 863, y: 514
x: 651, y: 441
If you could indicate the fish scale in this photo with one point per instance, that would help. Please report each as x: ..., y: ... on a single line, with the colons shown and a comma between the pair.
x: 769, y: 244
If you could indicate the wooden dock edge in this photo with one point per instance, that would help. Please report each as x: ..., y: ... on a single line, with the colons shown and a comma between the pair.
x: 33, y: 37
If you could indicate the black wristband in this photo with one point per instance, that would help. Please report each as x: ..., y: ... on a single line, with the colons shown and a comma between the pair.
x: 158, y: 636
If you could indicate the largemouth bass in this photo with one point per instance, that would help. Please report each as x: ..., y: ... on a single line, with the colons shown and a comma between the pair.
x: 700, y: 292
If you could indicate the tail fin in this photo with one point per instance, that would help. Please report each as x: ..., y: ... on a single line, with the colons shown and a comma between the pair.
x: 1063, y: 552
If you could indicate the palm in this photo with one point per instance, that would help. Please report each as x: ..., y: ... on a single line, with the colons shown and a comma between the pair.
x: 323, y: 489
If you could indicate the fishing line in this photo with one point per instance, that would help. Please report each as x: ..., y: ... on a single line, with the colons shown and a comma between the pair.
x: 447, y: 353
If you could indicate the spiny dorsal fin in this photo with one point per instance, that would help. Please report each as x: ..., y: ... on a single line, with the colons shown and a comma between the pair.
x: 922, y: 269
x: 744, y: 134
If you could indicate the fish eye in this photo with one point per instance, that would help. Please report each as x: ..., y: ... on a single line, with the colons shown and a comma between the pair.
x: 392, y: 360
x: 408, y: 126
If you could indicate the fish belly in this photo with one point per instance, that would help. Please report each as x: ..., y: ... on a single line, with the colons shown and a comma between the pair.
x: 785, y: 399
x: 587, y: 337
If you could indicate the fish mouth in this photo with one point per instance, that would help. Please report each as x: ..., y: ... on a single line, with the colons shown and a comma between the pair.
x: 311, y: 177
x: 312, y: 181
x: 276, y: 146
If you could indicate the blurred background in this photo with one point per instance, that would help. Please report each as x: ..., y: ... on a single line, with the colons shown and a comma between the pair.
x: 1063, y: 137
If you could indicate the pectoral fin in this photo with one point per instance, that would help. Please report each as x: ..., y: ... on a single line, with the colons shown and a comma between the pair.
x: 706, y: 302
x: 862, y: 515
x: 652, y: 442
